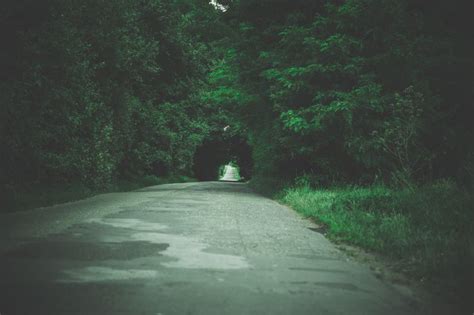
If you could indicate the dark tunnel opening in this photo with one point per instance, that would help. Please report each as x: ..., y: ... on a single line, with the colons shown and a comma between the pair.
x: 219, y: 151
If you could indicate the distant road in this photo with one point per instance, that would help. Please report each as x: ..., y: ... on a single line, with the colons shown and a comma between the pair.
x: 230, y: 174
x: 194, y: 248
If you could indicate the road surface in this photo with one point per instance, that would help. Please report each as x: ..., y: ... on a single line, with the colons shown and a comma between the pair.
x: 231, y: 174
x: 194, y: 248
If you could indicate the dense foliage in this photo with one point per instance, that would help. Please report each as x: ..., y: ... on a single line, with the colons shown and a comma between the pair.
x: 355, y: 91
x: 95, y: 90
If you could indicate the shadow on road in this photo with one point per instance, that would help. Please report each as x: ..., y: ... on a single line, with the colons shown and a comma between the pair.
x: 220, y: 186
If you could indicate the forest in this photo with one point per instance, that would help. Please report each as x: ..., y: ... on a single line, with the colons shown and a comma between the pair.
x: 357, y: 113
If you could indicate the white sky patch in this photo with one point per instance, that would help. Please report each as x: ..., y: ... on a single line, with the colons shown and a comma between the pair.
x: 218, y: 6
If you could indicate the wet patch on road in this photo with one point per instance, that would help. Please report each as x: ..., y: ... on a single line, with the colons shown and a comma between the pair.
x: 188, y: 252
x: 340, y: 285
x: 86, y: 251
x: 173, y: 284
x: 133, y: 224
x: 100, y: 274
x: 148, y: 215
x: 178, y: 205
x: 315, y: 257
x: 317, y: 269
x: 332, y: 285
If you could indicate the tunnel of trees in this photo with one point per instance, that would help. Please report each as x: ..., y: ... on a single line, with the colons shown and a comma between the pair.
x: 219, y: 151
x: 351, y: 91
x: 323, y: 93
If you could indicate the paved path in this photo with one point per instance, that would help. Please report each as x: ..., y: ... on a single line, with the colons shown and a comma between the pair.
x: 231, y: 174
x: 196, y: 248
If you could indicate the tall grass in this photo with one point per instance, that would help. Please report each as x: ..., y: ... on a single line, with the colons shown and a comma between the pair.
x: 429, y: 230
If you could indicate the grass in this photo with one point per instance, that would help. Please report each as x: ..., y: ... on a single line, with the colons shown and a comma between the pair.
x: 428, y: 230
x: 35, y: 196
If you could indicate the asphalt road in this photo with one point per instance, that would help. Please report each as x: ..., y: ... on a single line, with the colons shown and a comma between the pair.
x: 231, y: 174
x: 195, y: 248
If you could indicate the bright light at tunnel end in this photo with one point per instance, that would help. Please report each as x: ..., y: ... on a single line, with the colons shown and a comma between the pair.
x: 231, y: 174
x: 218, y: 6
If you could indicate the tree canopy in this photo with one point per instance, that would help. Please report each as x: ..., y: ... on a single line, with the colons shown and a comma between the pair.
x: 352, y: 91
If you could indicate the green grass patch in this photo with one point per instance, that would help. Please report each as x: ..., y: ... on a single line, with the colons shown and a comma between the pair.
x: 428, y: 229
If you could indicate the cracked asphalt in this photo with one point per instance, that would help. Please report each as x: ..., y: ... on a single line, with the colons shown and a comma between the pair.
x: 194, y: 248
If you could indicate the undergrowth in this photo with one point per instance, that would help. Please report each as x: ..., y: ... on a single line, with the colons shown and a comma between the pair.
x: 428, y: 230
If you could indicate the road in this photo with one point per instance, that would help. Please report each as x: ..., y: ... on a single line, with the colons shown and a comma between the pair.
x: 194, y: 248
x: 231, y: 174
